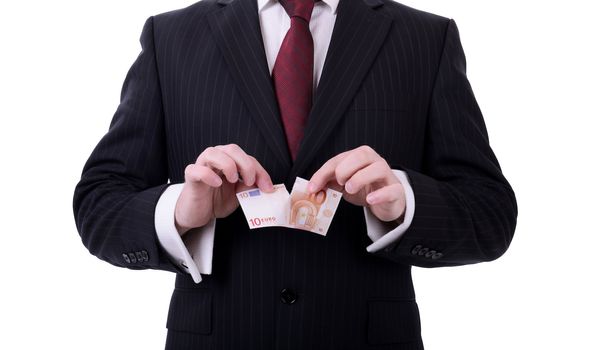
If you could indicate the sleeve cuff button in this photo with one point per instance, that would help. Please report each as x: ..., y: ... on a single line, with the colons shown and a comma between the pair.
x: 437, y: 256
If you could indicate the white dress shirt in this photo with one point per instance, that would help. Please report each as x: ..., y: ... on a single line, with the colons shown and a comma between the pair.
x: 194, y: 251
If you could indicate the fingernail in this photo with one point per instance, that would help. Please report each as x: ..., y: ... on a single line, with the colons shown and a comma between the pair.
x: 370, y: 198
x: 270, y: 186
x: 218, y: 182
x: 312, y: 187
x: 349, y: 187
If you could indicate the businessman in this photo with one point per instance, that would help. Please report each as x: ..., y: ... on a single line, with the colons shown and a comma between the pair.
x: 369, y: 97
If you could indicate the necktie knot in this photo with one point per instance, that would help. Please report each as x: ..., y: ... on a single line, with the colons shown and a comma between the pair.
x: 299, y: 8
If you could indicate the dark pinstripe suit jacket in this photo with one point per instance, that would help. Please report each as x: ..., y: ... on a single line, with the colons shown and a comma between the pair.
x: 394, y: 79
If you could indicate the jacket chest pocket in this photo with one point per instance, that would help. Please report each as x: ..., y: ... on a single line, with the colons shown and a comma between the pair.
x: 190, y: 311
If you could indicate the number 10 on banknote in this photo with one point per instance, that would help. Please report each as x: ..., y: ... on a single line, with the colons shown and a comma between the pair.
x: 302, y: 210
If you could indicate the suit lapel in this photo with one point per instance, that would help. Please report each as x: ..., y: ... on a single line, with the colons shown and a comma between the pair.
x: 236, y: 29
x: 358, y: 34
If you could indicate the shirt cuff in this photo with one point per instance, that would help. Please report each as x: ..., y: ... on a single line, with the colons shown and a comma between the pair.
x: 383, y: 233
x: 198, y: 241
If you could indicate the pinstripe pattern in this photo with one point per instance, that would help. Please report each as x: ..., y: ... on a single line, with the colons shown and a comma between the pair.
x: 394, y: 78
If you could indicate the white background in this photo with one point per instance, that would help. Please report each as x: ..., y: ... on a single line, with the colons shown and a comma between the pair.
x: 62, y: 64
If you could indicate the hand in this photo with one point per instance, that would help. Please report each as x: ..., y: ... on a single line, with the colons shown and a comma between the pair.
x: 207, y: 195
x: 367, y: 180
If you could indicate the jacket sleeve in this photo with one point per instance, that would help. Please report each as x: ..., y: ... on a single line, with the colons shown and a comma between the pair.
x: 121, y: 182
x: 465, y: 209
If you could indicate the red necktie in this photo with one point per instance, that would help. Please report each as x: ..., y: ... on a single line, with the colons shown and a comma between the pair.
x: 293, y: 72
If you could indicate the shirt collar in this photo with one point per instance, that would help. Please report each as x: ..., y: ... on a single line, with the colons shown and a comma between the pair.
x: 263, y: 4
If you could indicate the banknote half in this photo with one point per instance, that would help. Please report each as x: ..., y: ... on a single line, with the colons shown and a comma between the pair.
x: 312, y: 211
x: 265, y: 209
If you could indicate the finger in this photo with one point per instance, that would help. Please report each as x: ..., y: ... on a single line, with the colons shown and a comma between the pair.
x: 387, y: 194
x: 244, y: 162
x: 355, y: 161
x: 375, y: 173
x: 333, y: 185
x: 241, y: 186
x: 263, y: 179
x: 199, y: 175
x: 325, y: 174
x: 217, y: 159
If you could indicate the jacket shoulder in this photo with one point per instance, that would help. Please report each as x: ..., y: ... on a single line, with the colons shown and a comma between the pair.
x: 186, y: 15
x: 406, y: 14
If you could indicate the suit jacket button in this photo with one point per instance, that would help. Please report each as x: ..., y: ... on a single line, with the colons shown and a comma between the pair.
x: 132, y: 258
x: 126, y: 258
x: 423, y: 251
x: 288, y: 296
x: 416, y: 249
x: 139, y: 256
